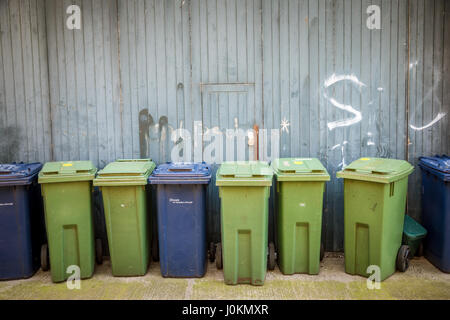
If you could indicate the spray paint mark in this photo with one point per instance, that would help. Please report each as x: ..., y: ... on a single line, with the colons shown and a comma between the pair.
x: 9, y: 148
x: 435, y: 120
x: 150, y: 132
x: 333, y: 80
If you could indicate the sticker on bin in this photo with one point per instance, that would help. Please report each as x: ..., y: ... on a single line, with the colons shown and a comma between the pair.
x: 9, y: 204
x: 178, y: 201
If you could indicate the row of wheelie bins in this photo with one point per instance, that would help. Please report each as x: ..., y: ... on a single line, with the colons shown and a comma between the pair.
x: 377, y: 232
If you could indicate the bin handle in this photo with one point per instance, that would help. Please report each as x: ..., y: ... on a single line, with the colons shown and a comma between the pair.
x: 368, y: 171
x: 180, y: 169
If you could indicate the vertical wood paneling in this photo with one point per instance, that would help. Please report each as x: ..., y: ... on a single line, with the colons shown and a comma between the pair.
x: 428, y: 90
x: 226, y: 50
x: 155, y: 74
x: 139, y: 69
x: 24, y: 101
x: 84, y: 82
x: 327, y: 58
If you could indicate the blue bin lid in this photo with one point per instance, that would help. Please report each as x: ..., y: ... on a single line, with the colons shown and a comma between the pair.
x: 18, y: 173
x: 181, y: 173
x: 438, y: 165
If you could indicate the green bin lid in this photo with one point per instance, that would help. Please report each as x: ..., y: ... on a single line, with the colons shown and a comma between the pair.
x: 244, y: 173
x: 300, y: 169
x: 377, y: 170
x: 125, y: 172
x: 67, y: 171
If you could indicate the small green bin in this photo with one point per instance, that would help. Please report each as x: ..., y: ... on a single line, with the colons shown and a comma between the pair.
x: 413, y: 234
x: 125, y: 196
x: 244, y: 190
x: 300, y: 188
x: 374, y: 203
x: 67, y: 193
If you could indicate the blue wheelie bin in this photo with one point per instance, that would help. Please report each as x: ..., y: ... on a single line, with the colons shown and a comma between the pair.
x: 436, y: 209
x: 181, y: 218
x: 22, y: 226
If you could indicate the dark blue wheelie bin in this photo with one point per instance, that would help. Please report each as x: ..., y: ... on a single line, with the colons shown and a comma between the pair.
x: 436, y: 209
x: 181, y: 218
x: 22, y: 226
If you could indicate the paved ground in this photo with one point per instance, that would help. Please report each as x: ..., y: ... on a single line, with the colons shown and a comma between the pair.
x: 421, y: 281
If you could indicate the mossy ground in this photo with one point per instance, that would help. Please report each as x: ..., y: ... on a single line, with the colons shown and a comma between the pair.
x: 421, y: 281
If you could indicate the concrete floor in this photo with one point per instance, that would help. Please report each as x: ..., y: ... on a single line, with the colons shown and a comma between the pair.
x: 421, y: 281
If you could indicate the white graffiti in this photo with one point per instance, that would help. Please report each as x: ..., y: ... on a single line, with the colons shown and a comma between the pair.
x: 435, y: 120
x: 285, y: 125
x: 332, y: 80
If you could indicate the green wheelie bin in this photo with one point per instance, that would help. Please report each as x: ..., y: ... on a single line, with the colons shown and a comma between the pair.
x: 125, y: 192
x: 300, y: 185
x: 374, y: 203
x: 67, y: 193
x: 244, y: 190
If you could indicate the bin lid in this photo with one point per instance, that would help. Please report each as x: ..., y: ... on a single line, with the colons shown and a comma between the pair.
x: 300, y: 169
x: 18, y: 173
x: 181, y: 173
x: 438, y: 165
x: 377, y: 170
x: 244, y: 173
x: 67, y: 171
x: 413, y: 230
x: 125, y: 172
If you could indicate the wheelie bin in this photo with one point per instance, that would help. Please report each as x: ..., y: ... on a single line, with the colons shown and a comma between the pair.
x: 374, y: 203
x: 244, y: 190
x: 22, y: 230
x: 181, y: 216
x: 300, y: 185
x: 125, y: 192
x: 436, y: 209
x: 67, y: 193
x: 413, y: 235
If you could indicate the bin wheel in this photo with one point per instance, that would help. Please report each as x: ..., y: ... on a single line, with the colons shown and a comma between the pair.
x: 219, y: 262
x: 403, y: 258
x: 155, y: 250
x: 45, y: 263
x: 419, y: 252
x: 98, y: 251
x: 272, y: 257
x: 212, y: 252
x: 322, y: 251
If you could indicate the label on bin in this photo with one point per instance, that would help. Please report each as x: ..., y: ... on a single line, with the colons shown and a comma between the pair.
x: 178, y: 201
x: 67, y: 165
x: 6, y: 204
